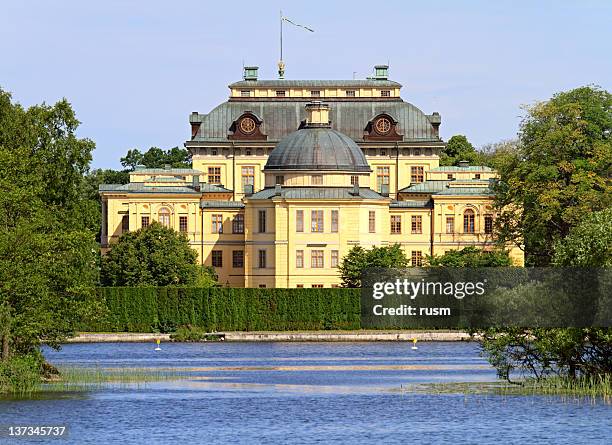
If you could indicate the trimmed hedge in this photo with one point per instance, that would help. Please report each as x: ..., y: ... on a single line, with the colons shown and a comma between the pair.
x: 163, y: 309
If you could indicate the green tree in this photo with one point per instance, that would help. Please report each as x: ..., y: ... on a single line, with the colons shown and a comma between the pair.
x: 458, y: 148
x: 153, y: 256
x: 358, y: 259
x: 155, y: 157
x: 560, y: 173
x: 589, y: 244
x: 472, y: 257
x: 47, y: 251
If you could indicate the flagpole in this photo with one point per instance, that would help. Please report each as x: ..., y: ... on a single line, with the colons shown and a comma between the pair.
x: 281, y: 64
x: 281, y: 35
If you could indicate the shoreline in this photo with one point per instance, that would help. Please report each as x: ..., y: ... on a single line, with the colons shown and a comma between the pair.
x: 283, y: 336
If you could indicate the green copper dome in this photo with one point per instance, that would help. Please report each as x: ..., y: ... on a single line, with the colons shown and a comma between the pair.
x: 317, y: 148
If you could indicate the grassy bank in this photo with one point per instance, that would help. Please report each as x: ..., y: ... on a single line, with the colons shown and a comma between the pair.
x: 28, y: 383
x: 582, y: 387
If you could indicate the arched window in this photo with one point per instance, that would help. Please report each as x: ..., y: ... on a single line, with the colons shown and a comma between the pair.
x: 468, y: 221
x: 164, y: 217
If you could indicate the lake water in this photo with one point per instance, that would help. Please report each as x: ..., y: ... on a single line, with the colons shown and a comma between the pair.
x: 248, y: 393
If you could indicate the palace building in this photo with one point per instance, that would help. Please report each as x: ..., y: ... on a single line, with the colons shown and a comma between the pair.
x: 288, y: 175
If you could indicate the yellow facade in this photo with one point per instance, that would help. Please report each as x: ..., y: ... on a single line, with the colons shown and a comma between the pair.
x: 260, y: 223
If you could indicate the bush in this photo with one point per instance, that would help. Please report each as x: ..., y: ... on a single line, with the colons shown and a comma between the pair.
x: 165, y: 309
x: 20, y: 374
x: 189, y: 333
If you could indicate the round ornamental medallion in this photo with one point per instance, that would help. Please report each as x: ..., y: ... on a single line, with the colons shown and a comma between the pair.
x: 383, y: 125
x: 247, y: 125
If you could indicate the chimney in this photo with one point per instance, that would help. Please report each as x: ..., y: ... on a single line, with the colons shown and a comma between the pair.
x: 250, y: 73
x: 381, y: 72
x: 435, y: 121
x: 464, y: 164
x: 277, y: 189
x: 195, y: 121
x: 195, y: 182
x: 355, y: 191
x: 317, y: 114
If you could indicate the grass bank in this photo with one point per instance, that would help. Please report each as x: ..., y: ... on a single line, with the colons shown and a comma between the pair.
x: 582, y: 387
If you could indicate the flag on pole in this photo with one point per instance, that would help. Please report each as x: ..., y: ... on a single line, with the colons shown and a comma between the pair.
x: 296, y: 24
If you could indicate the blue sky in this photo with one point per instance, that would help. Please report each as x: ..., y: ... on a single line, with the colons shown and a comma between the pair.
x: 134, y: 70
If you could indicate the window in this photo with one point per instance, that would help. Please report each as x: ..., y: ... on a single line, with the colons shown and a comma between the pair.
x: 317, y: 286
x: 335, y: 286
x: 316, y: 259
x: 417, y: 152
x: 383, y: 152
x: 416, y: 174
x: 372, y: 221
x: 144, y: 221
x: 450, y: 224
x: 248, y: 176
x: 164, y: 216
x: 354, y: 180
x: 488, y: 223
x: 385, y: 93
x: 477, y: 176
x: 280, y: 179
x: 214, y: 175
x: 217, y: 258
x: 417, y: 258
x: 245, y: 93
x: 316, y: 179
x: 382, y: 178
x: 125, y: 223
x: 238, y: 224
x: 416, y: 224
x: 280, y: 93
x: 299, y: 285
x: 299, y: 259
x: 183, y: 224
x: 247, y: 152
x: 262, y: 258
x: 262, y: 221
x: 350, y: 93
x: 468, y: 221
x: 334, y: 221
x: 217, y: 223
x: 449, y: 176
x: 237, y: 258
x: 299, y: 220
x: 316, y: 221
x: 315, y: 93
x: 213, y: 152
x: 334, y: 258
x: 396, y: 223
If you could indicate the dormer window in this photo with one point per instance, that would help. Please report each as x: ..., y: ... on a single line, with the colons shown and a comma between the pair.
x: 383, y: 152
x: 417, y: 152
x: 248, y: 152
x: 280, y: 93
x: 385, y: 93
x: 315, y: 93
